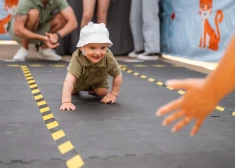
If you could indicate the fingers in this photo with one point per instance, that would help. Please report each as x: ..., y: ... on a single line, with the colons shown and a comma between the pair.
x: 176, y: 115
x: 67, y: 107
x: 173, y: 105
x: 196, y: 127
x: 181, y: 124
x: 184, y: 83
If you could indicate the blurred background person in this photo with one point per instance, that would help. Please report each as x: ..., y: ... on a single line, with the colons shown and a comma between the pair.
x: 145, y: 28
x: 89, y: 9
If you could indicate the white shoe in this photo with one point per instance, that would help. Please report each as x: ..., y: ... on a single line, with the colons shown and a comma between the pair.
x: 148, y: 56
x: 21, y: 54
x: 48, y: 54
x: 134, y: 54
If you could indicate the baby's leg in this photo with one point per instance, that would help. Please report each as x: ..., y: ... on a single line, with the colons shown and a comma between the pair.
x: 101, y: 91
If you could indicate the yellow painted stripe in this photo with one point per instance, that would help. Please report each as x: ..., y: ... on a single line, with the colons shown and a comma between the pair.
x: 75, y: 162
x: 47, y: 117
x: 31, y: 81
x: 233, y: 114
x: 24, y: 67
x: 129, y: 71
x: 38, y: 97
x: 57, y: 135
x: 65, y: 147
x: 219, y: 108
x: 171, y: 88
x: 35, y: 91
x: 52, y: 125
x: 143, y: 76
x: 13, y: 65
x: 59, y: 65
x: 159, y: 83
x: 159, y: 66
x: 151, y: 79
x: 136, y: 74
x: 26, y: 71
x: 45, y: 109
x: 123, y: 68
x: 28, y: 75
x: 41, y: 103
x: 28, y: 78
x: 122, y: 65
x: 181, y: 92
x: 35, y: 65
x: 139, y: 66
x: 33, y: 86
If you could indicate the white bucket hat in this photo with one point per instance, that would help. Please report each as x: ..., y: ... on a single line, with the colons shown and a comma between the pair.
x: 94, y: 33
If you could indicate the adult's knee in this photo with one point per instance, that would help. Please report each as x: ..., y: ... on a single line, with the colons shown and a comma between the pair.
x: 33, y: 16
x: 87, y: 17
x: 59, y: 20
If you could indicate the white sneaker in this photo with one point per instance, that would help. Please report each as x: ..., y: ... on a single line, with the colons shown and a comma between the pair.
x: 148, y: 56
x: 134, y: 54
x: 48, y: 54
x: 21, y: 54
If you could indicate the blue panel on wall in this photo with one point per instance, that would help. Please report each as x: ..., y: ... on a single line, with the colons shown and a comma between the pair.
x: 182, y: 27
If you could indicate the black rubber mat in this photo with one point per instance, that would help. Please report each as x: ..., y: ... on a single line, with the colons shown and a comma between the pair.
x: 125, y: 134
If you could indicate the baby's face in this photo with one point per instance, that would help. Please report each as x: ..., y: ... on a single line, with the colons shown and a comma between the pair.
x: 95, y: 51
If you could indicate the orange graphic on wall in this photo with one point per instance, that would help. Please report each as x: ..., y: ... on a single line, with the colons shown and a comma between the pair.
x: 207, y: 30
x: 9, y: 7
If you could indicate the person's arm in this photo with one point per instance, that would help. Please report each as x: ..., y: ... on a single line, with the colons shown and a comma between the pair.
x: 67, y: 93
x: 117, y: 82
x: 21, y: 31
x: 71, y: 21
x: 112, y: 96
x: 201, y: 96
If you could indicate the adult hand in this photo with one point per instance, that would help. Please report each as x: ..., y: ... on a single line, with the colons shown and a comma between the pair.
x: 67, y: 106
x: 196, y: 104
x: 109, y: 98
x: 53, y: 37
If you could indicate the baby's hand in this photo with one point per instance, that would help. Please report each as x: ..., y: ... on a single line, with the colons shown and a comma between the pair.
x: 109, y: 98
x: 67, y: 106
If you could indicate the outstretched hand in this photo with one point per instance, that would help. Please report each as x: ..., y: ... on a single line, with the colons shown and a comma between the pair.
x: 67, y: 106
x: 196, y: 104
x: 109, y: 98
x: 51, y: 40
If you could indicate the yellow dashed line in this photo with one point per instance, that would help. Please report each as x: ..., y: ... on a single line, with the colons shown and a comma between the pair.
x: 75, y: 162
x: 31, y: 81
x: 181, y: 92
x: 35, y: 65
x: 33, y: 86
x: 123, y: 68
x: 52, y: 125
x: 45, y: 109
x: 136, y: 74
x: 47, y: 117
x: 65, y: 147
x: 122, y: 65
x: 35, y: 91
x: 233, y: 114
x: 143, y: 76
x: 28, y: 75
x: 29, y: 78
x: 151, y: 79
x: 26, y: 71
x: 58, y: 65
x: 159, y: 83
x: 171, y: 88
x: 159, y: 66
x: 57, y: 135
x: 41, y: 103
x: 13, y: 65
x: 38, y: 97
x: 139, y: 66
x: 219, y: 108
x: 129, y: 71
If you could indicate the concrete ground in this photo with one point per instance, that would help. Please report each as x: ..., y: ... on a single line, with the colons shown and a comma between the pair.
x: 34, y: 133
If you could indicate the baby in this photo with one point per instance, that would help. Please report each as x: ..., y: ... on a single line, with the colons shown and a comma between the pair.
x: 90, y: 66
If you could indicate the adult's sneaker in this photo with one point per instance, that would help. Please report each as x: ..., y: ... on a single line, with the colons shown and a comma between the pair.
x: 48, y: 54
x: 21, y: 54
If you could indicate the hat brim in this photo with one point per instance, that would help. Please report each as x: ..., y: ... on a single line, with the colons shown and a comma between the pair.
x: 94, y: 39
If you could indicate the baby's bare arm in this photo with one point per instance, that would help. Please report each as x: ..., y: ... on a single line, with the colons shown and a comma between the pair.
x: 117, y: 82
x: 68, y: 88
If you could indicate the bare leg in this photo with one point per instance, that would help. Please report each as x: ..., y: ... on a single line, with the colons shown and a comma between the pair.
x: 102, y: 11
x: 31, y: 24
x: 101, y: 91
x: 88, y: 12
